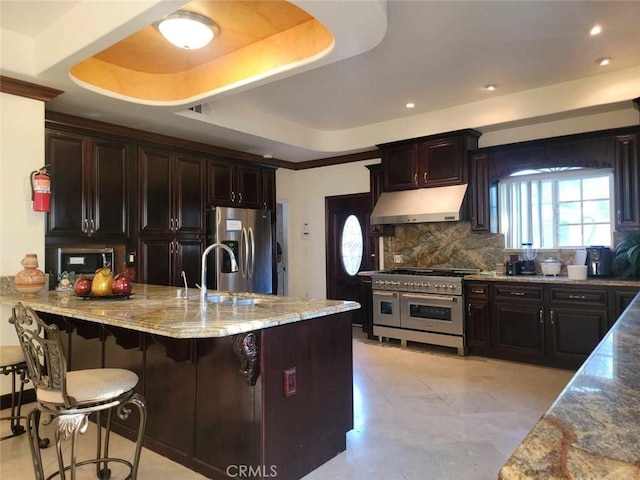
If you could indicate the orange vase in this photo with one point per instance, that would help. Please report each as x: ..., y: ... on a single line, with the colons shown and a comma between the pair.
x: 30, y: 280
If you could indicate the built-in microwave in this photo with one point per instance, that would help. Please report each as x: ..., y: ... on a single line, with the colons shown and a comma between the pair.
x: 84, y: 261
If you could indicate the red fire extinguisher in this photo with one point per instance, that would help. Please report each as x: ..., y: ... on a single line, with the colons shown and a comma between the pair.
x: 40, y: 190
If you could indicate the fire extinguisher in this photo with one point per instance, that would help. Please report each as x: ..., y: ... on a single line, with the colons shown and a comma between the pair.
x: 40, y: 190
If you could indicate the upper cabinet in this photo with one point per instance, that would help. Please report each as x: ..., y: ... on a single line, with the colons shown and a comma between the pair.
x: 244, y: 186
x: 480, y: 208
x: 89, y: 186
x: 171, y: 192
x: 627, y: 182
x: 428, y: 161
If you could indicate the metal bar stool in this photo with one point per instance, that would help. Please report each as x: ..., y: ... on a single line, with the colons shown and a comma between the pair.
x: 12, y: 363
x: 71, y: 397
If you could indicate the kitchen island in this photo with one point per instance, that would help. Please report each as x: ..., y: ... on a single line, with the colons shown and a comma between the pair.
x: 264, y: 387
x: 592, y: 430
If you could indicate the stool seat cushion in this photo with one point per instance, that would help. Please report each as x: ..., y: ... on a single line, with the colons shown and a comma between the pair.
x: 11, y: 355
x: 90, y: 386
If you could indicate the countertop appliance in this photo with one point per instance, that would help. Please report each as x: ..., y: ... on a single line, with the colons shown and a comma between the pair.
x: 421, y: 305
x: 599, y: 261
x: 248, y: 233
x: 84, y: 261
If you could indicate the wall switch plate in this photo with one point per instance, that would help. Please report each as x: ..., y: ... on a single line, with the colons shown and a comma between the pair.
x: 398, y: 259
x: 290, y: 382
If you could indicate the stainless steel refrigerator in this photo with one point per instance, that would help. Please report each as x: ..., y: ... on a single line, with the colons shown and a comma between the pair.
x: 248, y: 233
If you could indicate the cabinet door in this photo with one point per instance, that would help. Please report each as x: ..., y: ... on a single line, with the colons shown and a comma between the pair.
x: 188, y: 195
x: 621, y: 299
x: 575, y: 333
x: 154, y: 191
x: 478, y: 325
x: 442, y: 162
x: 70, y: 210
x: 249, y: 187
x: 480, y: 214
x: 221, y: 178
x: 269, y: 189
x: 155, y: 260
x: 108, y: 189
x: 518, y: 330
x: 627, y: 182
x: 400, y: 167
x: 187, y: 258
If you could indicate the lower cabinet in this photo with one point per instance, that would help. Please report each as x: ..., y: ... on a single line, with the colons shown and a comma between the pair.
x: 541, y: 323
x: 162, y: 260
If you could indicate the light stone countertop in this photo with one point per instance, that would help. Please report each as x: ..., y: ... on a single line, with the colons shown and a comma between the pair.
x: 156, y: 309
x: 592, y: 430
x: 559, y: 279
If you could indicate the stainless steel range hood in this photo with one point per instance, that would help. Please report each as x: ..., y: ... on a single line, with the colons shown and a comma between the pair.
x: 423, y: 205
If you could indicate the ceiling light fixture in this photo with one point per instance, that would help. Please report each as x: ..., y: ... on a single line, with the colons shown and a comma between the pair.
x: 595, y: 30
x: 410, y: 105
x: 603, y: 61
x: 188, y: 30
x: 491, y: 87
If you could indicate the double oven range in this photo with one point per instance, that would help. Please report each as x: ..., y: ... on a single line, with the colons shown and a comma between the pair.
x: 420, y: 305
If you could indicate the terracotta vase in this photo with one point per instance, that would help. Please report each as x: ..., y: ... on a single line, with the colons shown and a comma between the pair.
x: 30, y: 280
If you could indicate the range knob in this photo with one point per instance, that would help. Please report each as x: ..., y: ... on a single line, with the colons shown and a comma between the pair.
x: 437, y: 285
x: 452, y: 287
x: 428, y: 285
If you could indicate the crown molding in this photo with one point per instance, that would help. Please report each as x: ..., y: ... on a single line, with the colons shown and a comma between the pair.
x: 21, y: 88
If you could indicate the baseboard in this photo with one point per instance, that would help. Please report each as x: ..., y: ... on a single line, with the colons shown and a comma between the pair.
x: 28, y: 396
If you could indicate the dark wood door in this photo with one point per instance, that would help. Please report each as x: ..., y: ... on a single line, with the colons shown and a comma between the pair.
x: 154, y: 191
x: 480, y: 209
x: 400, y: 167
x: 621, y: 299
x: 575, y: 333
x: 343, y: 282
x: 222, y: 180
x: 249, y: 187
x: 627, y: 182
x: 108, y: 189
x: 155, y: 259
x: 478, y: 323
x: 269, y: 189
x: 188, y: 195
x: 442, y: 162
x: 187, y: 257
x: 518, y: 330
x: 70, y: 211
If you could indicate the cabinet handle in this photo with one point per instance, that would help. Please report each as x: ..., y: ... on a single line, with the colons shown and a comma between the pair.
x: 264, y: 205
x: 619, y: 217
x: 541, y: 316
x: 233, y: 196
x: 425, y: 177
x: 469, y: 309
x: 517, y: 294
x: 240, y: 197
x: 85, y: 226
x: 477, y: 291
x: 93, y: 226
x: 415, y: 178
x: 577, y: 297
x: 171, y: 247
x: 176, y: 224
x: 552, y: 320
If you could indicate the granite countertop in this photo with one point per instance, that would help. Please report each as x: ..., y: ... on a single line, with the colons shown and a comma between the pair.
x: 559, y: 279
x: 156, y: 309
x: 592, y: 430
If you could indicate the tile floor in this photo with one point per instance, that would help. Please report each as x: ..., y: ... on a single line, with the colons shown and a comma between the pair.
x: 421, y: 413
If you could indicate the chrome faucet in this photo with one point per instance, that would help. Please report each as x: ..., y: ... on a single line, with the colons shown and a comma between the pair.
x: 203, y: 278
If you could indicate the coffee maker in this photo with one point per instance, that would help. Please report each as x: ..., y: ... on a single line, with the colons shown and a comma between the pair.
x: 599, y: 261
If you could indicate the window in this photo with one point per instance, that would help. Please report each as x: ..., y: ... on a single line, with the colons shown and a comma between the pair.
x: 557, y: 207
x: 351, y: 245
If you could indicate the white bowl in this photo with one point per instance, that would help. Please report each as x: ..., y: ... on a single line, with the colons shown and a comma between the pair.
x: 577, y: 272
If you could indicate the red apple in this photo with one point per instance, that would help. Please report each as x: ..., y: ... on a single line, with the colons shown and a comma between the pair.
x: 122, y: 284
x: 82, y: 286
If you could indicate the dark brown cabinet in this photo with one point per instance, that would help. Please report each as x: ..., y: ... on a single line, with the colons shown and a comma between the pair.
x: 428, y: 162
x: 620, y: 299
x: 89, y: 186
x: 171, y: 193
x: 627, y: 182
x: 478, y: 321
x: 479, y: 190
x: 245, y: 186
x: 162, y: 260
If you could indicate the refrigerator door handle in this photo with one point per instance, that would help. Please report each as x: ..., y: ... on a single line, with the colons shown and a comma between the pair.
x: 244, y: 261
x: 251, y: 259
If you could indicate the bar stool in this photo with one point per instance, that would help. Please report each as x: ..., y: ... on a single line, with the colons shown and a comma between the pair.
x: 12, y: 363
x: 72, y: 396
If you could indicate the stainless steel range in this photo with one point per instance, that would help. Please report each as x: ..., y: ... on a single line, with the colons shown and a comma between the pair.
x: 420, y: 305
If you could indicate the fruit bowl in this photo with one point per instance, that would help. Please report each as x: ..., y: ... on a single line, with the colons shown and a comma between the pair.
x: 111, y: 296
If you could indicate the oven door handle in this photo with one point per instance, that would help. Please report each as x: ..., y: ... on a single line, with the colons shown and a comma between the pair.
x: 432, y: 297
x: 384, y: 294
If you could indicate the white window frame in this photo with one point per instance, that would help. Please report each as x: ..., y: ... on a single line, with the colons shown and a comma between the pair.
x: 518, y: 177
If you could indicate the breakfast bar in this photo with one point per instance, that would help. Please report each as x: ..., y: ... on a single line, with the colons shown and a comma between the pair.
x: 592, y: 430
x: 258, y: 384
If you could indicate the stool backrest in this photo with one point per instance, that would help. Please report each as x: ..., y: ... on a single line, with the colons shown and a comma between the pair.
x: 43, y: 352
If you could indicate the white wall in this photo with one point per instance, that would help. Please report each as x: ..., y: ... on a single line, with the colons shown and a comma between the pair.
x: 21, y: 229
x: 305, y: 191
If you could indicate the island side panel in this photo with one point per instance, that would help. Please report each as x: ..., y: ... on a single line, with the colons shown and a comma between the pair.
x: 305, y: 430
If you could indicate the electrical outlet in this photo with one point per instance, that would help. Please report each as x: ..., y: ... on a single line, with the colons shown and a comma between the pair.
x: 290, y: 382
x: 398, y: 259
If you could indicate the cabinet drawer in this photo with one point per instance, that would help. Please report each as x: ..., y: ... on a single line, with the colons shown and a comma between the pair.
x: 477, y: 290
x: 517, y: 292
x: 579, y: 296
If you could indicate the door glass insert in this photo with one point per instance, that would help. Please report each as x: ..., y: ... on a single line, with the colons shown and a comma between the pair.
x: 351, y: 247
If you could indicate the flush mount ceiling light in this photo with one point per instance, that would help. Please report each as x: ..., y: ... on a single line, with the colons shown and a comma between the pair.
x: 491, y: 87
x: 603, y: 61
x: 188, y: 30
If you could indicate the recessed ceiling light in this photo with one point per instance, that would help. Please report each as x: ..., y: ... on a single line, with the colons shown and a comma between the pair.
x: 410, y: 105
x: 267, y: 156
x: 491, y: 87
x: 188, y: 30
x: 603, y: 61
x: 595, y: 30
